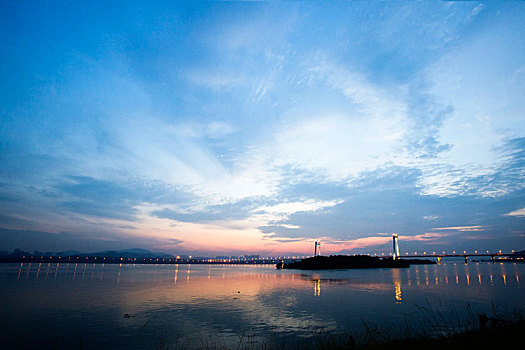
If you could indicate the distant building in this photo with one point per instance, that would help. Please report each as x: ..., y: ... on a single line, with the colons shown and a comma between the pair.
x: 251, y: 256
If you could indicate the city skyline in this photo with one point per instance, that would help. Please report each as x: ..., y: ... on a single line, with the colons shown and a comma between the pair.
x: 233, y: 128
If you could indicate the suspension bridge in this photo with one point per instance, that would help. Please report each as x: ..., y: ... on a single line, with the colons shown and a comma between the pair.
x: 394, y: 253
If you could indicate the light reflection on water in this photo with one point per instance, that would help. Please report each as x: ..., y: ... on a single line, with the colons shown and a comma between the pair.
x: 130, y: 306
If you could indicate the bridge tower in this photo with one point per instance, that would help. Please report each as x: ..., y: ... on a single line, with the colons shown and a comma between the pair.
x: 317, y: 251
x: 395, y: 253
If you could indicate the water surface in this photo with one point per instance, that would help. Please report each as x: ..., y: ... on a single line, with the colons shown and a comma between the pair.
x: 93, y: 306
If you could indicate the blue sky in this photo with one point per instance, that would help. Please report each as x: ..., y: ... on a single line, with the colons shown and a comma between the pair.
x: 258, y: 127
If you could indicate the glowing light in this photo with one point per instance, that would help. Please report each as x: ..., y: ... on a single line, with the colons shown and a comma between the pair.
x: 397, y: 289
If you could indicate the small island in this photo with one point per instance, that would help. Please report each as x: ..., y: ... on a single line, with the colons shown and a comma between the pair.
x: 347, y: 262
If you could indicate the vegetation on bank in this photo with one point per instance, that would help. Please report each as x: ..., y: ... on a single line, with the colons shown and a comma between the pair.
x: 490, y: 334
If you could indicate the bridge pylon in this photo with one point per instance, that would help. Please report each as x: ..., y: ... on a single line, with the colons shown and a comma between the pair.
x: 317, y: 250
x: 395, y: 253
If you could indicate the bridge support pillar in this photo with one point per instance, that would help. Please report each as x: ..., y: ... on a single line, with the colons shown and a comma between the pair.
x: 317, y: 251
x: 395, y: 248
x: 492, y: 259
x: 439, y: 260
x: 466, y: 261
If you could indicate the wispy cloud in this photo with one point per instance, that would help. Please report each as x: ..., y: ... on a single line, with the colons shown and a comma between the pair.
x: 517, y: 213
x: 460, y: 228
x: 424, y: 237
x: 288, y: 208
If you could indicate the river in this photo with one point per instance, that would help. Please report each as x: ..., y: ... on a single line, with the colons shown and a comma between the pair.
x: 93, y: 306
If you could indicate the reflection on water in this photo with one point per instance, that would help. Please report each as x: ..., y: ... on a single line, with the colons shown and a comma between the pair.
x: 317, y: 288
x: 129, y: 306
x: 397, y: 285
x: 397, y: 289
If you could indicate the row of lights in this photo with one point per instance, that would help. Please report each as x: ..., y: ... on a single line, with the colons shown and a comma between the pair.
x: 164, y: 259
x: 242, y: 259
x: 453, y: 252
x: 464, y: 252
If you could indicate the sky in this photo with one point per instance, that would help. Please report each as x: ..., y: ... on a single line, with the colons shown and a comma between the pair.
x: 230, y: 128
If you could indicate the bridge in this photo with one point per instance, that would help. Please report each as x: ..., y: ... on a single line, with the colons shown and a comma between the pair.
x: 463, y: 255
x: 439, y: 256
x: 395, y: 254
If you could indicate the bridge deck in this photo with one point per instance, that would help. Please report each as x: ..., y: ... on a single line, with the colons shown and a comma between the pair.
x: 454, y: 255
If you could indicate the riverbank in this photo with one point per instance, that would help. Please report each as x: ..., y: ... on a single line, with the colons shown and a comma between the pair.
x: 491, y: 333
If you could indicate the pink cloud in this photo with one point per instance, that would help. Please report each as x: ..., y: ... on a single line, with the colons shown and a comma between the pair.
x: 424, y: 237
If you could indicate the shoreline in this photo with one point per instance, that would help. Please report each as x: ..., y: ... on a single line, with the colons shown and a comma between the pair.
x: 490, y: 333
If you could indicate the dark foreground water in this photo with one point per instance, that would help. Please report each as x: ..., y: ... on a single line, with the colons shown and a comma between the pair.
x: 94, y: 306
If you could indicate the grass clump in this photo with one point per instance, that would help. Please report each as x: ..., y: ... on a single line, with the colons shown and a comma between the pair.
x: 495, y: 336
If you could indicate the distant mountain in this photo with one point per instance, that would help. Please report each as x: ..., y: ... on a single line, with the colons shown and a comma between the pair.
x: 69, y: 253
x: 134, y: 251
